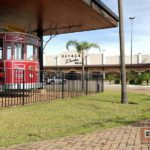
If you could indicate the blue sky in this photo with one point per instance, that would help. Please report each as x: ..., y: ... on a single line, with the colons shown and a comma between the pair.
x: 108, y: 39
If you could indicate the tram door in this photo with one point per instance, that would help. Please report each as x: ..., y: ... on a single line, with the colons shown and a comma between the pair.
x: 1, y: 48
x: 2, y: 76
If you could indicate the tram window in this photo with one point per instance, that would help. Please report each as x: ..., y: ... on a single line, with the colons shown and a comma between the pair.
x: 18, y: 51
x: 9, y: 49
x: 30, y: 53
x: 1, y: 48
x: 35, y: 53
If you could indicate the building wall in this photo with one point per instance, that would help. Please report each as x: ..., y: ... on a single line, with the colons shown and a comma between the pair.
x: 94, y: 59
x: 112, y: 60
x: 49, y: 61
x: 73, y: 58
x: 145, y: 59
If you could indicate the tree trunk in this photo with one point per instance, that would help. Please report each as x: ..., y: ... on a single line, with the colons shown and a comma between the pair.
x: 122, y: 54
x: 147, y: 81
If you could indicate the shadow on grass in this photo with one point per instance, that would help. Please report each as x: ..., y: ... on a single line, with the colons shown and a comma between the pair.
x: 117, y: 102
x: 93, y: 124
x: 124, y: 122
x: 119, y: 121
x: 106, y: 101
x: 130, y: 100
x: 134, y: 103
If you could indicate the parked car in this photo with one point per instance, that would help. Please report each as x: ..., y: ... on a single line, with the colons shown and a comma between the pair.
x: 55, y: 80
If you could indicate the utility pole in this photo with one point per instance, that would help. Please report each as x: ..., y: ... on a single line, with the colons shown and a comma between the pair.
x: 131, y: 18
x: 122, y: 54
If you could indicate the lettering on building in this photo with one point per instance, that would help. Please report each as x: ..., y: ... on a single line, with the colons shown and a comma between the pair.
x: 76, y: 61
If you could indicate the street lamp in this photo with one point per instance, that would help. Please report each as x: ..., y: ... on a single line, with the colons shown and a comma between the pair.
x: 57, y: 68
x: 103, y: 56
x: 139, y: 58
x: 131, y: 18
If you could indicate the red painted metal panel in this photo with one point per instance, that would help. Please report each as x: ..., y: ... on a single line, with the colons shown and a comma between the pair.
x: 16, y: 38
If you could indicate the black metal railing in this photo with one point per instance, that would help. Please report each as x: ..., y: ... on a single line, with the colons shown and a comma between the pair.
x: 20, y: 87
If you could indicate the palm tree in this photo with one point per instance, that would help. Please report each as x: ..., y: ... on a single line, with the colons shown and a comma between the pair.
x: 81, y: 47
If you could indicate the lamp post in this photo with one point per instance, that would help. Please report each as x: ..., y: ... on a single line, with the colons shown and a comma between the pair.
x: 57, y: 69
x: 103, y: 63
x: 131, y: 18
x: 139, y: 62
x: 103, y: 56
x: 56, y: 60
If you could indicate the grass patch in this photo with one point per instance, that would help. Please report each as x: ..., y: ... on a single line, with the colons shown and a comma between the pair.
x: 69, y: 117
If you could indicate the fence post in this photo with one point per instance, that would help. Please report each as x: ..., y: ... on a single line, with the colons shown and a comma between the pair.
x: 63, y: 85
x: 97, y: 86
x: 23, y: 89
x: 86, y: 84
x: 102, y: 81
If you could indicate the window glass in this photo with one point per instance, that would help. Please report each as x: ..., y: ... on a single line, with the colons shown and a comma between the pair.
x: 35, y: 53
x: 18, y: 51
x: 9, y: 50
x: 1, y: 48
x: 30, y: 51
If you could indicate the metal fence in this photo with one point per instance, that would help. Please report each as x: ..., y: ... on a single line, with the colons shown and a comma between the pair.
x: 20, y: 87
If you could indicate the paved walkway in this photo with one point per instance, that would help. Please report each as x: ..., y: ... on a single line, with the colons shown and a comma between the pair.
x: 120, y: 138
x: 130, y: 88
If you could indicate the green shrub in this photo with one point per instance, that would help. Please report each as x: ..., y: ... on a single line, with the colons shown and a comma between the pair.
x: 117, y: 81
x: 138, y: 81
x: 132, y: 81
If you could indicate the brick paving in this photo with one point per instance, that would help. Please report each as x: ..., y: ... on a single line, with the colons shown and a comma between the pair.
x: 120, y: 138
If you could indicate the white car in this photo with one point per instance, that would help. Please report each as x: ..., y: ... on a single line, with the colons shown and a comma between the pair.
x: 55, y: 80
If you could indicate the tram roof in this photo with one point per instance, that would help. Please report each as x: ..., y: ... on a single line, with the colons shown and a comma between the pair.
x: 55, y: 16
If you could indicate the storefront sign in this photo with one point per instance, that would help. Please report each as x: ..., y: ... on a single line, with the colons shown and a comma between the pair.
x: 76, y: 61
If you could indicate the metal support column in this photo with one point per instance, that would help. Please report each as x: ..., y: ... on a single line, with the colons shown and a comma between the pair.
x: 40, y: 35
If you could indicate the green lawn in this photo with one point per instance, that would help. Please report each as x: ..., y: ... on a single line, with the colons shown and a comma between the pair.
x: 70, y: 116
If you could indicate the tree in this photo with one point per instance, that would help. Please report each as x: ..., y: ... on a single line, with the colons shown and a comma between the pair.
x: 81, y: 47
x: 110, y: 77
x: 131, y: 76
x: 122, y: 54
x: 146, y: 77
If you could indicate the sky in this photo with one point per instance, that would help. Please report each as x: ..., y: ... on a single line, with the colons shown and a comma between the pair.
x: 108, y: 39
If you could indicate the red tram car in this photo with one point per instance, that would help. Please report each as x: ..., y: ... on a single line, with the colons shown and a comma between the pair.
x: 19, y: 64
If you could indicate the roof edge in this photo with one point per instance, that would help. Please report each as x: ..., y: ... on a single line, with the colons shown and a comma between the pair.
x: 107, y: 9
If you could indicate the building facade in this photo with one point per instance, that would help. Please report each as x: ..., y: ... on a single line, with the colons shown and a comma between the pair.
x: 70, y: 61
x: 73, y: 58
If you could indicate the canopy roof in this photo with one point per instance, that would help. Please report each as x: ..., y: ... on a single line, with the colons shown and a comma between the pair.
x: 55, y: 16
